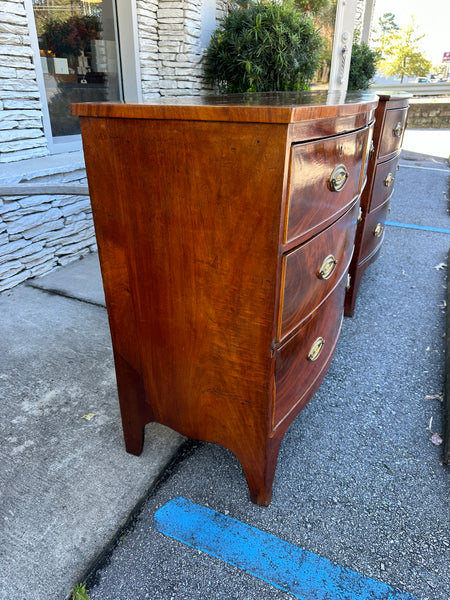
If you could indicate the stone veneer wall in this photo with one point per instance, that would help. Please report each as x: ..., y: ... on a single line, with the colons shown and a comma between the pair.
x: 429, y: 113
x: 21, y: 131
x: 41, y: 232
x: 170, y: 47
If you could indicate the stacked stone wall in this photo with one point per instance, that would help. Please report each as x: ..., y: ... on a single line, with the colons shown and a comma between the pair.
x: 41, y: 232
x: 171, y: 54
x: 429, y: 114
x: 148, y: 46
x: 21, y: 130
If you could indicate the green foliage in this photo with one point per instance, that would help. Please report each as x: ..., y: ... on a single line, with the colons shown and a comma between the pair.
x: 70, y: 37
x: 363, y: 66
x: 387, y: 23
x: 316, y: 7
x: 403, y: 56
x: 263, y: 47
x: 386, y: 33
x: 79, y: 592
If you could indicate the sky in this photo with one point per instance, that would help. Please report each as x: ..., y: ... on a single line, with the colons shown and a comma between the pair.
x: 432, y: 19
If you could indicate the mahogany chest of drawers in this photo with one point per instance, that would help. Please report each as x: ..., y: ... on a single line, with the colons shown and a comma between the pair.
x: 390, y: 124
x: 225, y: 229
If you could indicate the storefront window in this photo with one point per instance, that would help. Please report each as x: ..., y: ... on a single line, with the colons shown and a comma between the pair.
x: 79, y: 56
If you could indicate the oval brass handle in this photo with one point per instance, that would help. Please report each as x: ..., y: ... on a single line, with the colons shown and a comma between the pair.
x: 397, y: 131
x: 359, y: 219
x: 389, y: 179
x: 316, y: 349
x: 327, y: 268
x: 377, y: 232
x: 371, y: 149
x: 338, y: 178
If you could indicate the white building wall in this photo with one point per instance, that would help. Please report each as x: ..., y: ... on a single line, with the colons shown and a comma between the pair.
x: 21, y: 129
x: 172, y: 38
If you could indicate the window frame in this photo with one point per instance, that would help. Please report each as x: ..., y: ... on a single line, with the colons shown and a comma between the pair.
x: 129, y: 65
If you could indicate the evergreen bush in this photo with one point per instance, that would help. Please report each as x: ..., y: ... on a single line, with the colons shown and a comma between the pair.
x: 363, y: 66
x: 263, y: 46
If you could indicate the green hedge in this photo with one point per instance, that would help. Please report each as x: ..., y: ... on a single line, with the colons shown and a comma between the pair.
x: 263, y: 47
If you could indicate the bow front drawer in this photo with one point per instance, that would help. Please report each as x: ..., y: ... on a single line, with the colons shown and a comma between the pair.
x: 383, y: 185
x: 301, y: 361
x: 325, y: 177
x: 393, y: 130
x: 373, y: 232
x: 312, y: 271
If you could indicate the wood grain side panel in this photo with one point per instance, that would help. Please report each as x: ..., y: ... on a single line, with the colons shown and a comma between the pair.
x: 304, y: 289
x: 197, y: 199
x: 312, y: 202
x: 114, y: 239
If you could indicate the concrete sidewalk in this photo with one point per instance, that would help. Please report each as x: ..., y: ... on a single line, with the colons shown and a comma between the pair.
x: 67, y: 485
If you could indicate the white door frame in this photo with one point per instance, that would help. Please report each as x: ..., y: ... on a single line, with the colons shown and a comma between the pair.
x: 126, y: 17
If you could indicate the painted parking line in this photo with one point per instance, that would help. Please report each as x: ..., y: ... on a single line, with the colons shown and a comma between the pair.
x: 422, y: 227
x: 443, y: 170
x: 299, y: 572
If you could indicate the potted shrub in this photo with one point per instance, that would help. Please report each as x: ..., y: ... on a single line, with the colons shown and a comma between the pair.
x: 263, y: 46
x: 363, y: 66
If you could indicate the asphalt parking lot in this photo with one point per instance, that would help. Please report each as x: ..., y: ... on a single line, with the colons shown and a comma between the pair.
x: 359, y: 480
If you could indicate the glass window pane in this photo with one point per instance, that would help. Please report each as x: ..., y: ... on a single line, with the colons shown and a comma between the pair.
x: 79, y: 56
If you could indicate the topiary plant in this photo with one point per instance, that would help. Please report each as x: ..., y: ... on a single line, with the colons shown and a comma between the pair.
x: 363, y: 66
x: 263, y: 47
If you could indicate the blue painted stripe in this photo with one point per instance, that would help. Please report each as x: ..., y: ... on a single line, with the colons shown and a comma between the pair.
x: 305, y: 575
x: 422, y: 227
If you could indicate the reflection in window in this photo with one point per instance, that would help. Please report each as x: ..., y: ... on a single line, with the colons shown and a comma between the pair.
x: 79, y: 56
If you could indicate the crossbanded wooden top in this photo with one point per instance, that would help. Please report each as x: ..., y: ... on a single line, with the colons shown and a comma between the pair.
x: 269, y: 107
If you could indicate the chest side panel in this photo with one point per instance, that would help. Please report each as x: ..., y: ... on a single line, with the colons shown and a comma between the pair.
x: 199, y: 206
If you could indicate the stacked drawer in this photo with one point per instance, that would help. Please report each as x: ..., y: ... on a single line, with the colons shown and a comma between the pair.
x: 390, y: 124
x: 322, y: 211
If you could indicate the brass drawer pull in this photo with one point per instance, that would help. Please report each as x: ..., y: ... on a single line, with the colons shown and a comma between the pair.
x: 338, y: 178
x: 327, y: 268
x: 397, y: 131
x: 378, y: 231
x: 389, y: 179
x: 316, y: 349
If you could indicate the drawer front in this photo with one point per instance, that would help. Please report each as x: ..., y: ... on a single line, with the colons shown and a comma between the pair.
x: 312, y: 271
x: 302, y: 362
x: 383, y: 184
x: 373, y: 232
x: 393, y: 130
x: 325, y: 177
